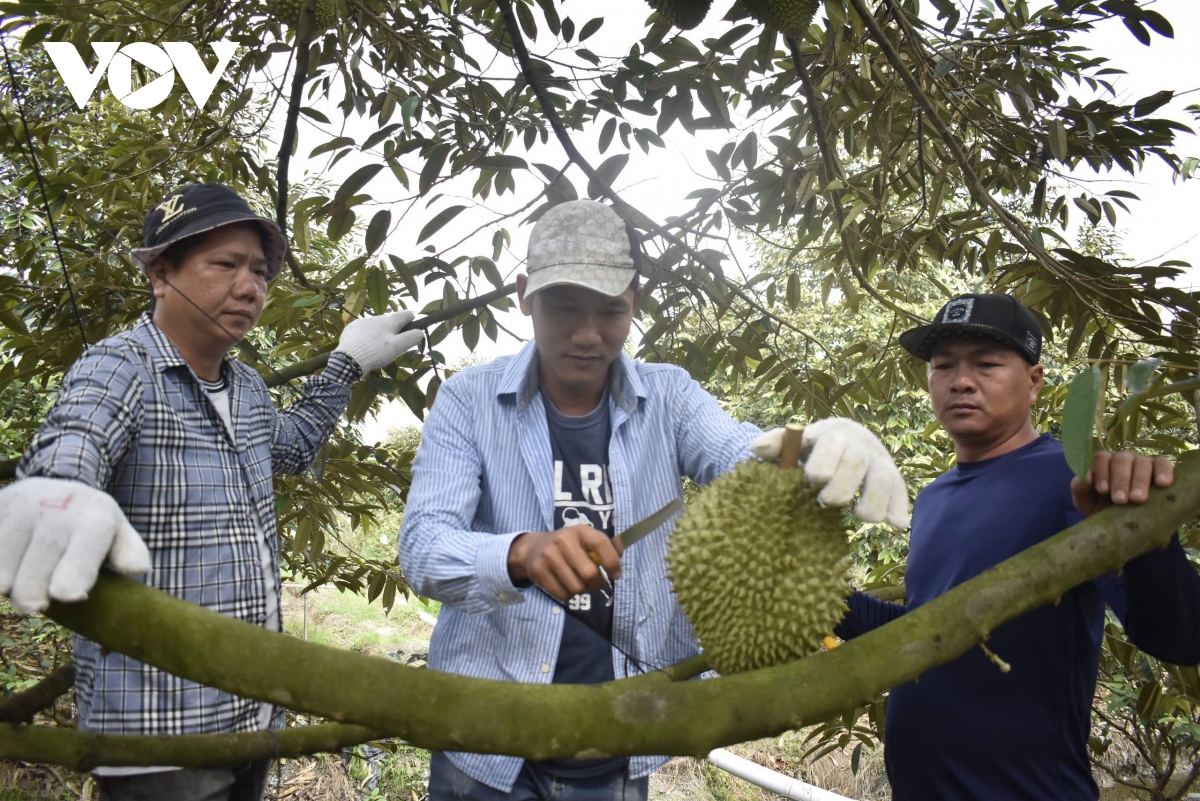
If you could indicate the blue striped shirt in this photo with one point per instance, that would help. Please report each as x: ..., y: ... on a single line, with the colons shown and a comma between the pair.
x: 484, y: 475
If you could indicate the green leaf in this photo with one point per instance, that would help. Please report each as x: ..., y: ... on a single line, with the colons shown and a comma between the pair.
x: 332, y: 144
x: 1058, y: 140
x: 590, y: 27
x: 503, y: 161
x: 1137, y: 378
x: 378, y: 229
x: 305, y: 302
x: 408, y: 107
x: 606, y: 133
x: 357, y: 180
x: 433, y: 226
x: 378, y: 292
x: 607, y: 172
x: 525, y: 17
x: 433, y: 166
x: 1079, y: 420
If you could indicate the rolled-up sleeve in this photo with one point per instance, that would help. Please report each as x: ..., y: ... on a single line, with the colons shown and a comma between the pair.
x: 441, y: 555
x: 304, y: 427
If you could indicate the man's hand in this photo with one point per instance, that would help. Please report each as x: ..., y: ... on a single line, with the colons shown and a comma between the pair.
x: 1120, y: 478
x: 54, y: 535
x: 376, y: 342
x: 844, y: 457
x: 559, y: 561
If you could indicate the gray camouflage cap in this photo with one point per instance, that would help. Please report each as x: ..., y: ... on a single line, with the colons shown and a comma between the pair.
x: 580, y: 243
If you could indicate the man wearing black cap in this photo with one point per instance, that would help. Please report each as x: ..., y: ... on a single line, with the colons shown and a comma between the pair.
x: 159, y: 456
x: 965, y: 730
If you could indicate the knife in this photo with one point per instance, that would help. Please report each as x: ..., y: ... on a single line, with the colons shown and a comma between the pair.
x: 643, y: 527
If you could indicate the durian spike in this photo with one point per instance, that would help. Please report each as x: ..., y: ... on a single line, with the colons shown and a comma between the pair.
x: 789, y: 452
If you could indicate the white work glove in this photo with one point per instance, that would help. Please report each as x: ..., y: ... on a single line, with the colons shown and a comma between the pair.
x: 845, y: 457
x: 376, y: 342
x: 54, y: 535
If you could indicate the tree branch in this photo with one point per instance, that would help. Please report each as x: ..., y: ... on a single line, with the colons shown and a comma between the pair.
x: 304, y: 34
x: 83, y: 750
x: 644, y: 715
x: 21, y: 707
x: 315, y: 363
x: 974, y: 185
x: 834, y: 172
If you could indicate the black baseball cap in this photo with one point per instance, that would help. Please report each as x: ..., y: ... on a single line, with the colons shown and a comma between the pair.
x: 202, y: 207
x: 998, y: 317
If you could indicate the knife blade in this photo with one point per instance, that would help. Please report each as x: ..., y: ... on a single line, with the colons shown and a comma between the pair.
x: 643, y: 527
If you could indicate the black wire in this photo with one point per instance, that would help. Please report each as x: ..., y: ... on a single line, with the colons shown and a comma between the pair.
x: 641, y: 666
x: 12, y: 79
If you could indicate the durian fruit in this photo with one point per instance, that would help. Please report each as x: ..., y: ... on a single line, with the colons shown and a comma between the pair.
x: 683, y: 14
x: 288, y: 12
x: 759, y: 567
x: 789, y: 17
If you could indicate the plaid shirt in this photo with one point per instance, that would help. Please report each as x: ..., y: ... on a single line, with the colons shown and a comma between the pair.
x: 132, y: 419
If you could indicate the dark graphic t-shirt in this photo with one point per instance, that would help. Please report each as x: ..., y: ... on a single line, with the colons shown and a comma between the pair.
x: 583, y: 496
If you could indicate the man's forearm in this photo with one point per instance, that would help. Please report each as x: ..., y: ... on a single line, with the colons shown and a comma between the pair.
x: 1163, y: 592
x: 864, y: 614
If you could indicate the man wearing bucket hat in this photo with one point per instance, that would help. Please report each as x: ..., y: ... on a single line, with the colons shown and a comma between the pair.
x: 966, y: 729
x: 529, y: 464
x: 158, y: 456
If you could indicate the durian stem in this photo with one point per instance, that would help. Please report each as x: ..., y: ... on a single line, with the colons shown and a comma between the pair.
x: 789, y: 453
x: 644, y: 715
x: 21, y: 707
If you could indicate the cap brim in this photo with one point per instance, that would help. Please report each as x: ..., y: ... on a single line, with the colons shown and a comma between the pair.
x: 276, y: 246
x: 919, y: 341
x: 610, y: 281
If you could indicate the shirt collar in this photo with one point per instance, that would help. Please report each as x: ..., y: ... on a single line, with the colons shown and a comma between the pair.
x: 520, y: 379
x: 163, y: 353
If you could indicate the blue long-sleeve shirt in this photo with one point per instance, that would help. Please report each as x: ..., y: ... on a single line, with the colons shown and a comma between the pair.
x: 966, y: 730
x: 484, y: 474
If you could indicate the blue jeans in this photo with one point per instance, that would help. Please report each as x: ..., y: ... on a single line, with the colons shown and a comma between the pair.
x: 448, y: 783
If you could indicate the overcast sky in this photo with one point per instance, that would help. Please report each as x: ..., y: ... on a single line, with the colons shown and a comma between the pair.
x: 1162, y: 226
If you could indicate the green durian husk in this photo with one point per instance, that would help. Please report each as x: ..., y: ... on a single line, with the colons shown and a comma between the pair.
x: 683, y: 14
x: 789, y: 17
x: 760, y: 567
x: 288, y: 12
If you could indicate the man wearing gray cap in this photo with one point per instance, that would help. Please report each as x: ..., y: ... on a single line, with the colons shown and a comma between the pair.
x: 159, y: 456
x: 529, y: 465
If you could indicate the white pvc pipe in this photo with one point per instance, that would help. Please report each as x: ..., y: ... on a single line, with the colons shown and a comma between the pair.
x: 768, y: 779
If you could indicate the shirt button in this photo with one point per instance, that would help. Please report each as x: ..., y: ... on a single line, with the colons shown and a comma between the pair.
x: 257, y: 563
x: 555, y: 610
x: 545, y: 668
x: 503, y: 596
x: 262, y: 618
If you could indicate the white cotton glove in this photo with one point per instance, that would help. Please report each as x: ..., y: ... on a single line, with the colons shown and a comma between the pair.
x: 376, y: 342
x: 845, y: 457
x: 54, y: 535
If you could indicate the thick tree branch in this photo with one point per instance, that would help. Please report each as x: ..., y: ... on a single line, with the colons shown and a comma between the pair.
x: 970, y: 178
x: 304, y: 35
x: 834, y: 172
x: 21, y: 707
x: 628, y: 212
x: 315, y: 363
x: 84, y: 750
x: 644, y: 715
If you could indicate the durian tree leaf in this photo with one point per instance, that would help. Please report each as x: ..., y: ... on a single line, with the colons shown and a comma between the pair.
x: 648, y: 714
x: 440, y: 219
x: 1079, y: 420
